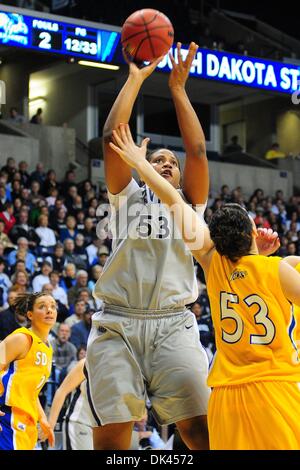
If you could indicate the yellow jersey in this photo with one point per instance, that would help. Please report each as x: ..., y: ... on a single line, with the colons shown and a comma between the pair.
x: 254, y: 322
x: 22, y: 381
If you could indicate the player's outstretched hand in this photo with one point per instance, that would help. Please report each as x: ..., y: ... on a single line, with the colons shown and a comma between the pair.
x: 126, y: 148
x: 180, y: 71
x: 46, y: 432
x: 141, y: 73
x: 267, y: 241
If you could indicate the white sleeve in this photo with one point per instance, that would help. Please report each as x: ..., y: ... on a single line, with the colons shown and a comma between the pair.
x: 117, y: 200
x: 200, y: 209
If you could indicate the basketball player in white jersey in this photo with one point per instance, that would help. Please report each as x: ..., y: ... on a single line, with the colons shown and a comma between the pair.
x: 146, y: 343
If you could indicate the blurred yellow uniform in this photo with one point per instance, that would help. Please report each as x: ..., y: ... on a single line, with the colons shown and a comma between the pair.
x: 297, y: 317
x: 256, y: 370
x: 20, y: 385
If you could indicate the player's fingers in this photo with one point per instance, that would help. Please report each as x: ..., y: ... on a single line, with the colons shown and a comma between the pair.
x: 118, y: 137
x: 172, y: 59
x: 51, y: 438
x: 116, y: 149
x: 179, y: 54
x: 128, y: 134
x: 123, y: 133
x: 145, y: 142
x: 191, y: 54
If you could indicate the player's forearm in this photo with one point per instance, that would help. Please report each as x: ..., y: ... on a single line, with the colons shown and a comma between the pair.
x: 41, y: 412
x: 122, y: 107
x: 57, y: 404
x: 190, y: 128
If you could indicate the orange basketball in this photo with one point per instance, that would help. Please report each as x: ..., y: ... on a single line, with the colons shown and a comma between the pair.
x: 147, y: 34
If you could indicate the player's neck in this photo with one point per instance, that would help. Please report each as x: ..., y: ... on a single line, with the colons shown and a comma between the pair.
x: 41, y: 333
x: 253, y: 248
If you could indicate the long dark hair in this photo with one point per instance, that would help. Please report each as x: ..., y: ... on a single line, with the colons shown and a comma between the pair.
x: 231, y: 231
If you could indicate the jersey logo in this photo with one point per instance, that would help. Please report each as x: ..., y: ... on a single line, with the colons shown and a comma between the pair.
x: 21, y: 426
x: 41, y: 359
x: 238, y: 275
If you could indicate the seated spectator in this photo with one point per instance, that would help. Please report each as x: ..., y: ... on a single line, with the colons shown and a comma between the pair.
x: 96, y: 273
x: 58, y: 292
x: 79, y: 308
x: 3, y: 197
x: 8, y: 217
x: 274, y: 153
x: 4, y: 239
x: 52, y: 197
x: 24, y: 230
x: 21, y: 284
x: 80, y: 250
x: 80, y: 218
x: 81, y: 330
x: 58, y: 219
x: 85, y: 294
x: 15, y: 116
x: 71, y: 256
x: 39, y: 174
x: 68, y: 181
x: 5, y: 284
x: 50, y: 182
x: 89, y: 233
x: 46, y: 234
x: 81, y: 281
x: 30, y: 259
x: 35, y: 191
x: 57, y: 259
x: 68, y: 278
x: 93, y: 248
x: 9, y: 319
x: 103, y: 254
x: 37, y: 118
x: 234, y: 146
x: 10, y: 168
x: 19, y: 266
x: 70, y: 231
x: 16, y: 189
x: 42, y: 278
x: 23, y: 170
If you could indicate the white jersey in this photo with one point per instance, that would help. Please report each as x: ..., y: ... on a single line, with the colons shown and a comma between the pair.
x: 79, y: 410
x: 150, y: 267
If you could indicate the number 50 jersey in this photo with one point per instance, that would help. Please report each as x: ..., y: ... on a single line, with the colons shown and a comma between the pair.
x: 254, y: 322
x: 22, y: 381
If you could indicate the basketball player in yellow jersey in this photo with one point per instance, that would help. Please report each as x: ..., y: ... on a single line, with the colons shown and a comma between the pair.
x: 25, y: 365
x: 255, y: 375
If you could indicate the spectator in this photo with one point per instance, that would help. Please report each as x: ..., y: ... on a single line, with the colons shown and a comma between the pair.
x: 80, y: 250
x: 71, y: 256
x: 96, y: 272
x: 23, y: 230
x: 70, y: 231
x: 103, y: 254
x: 89, y: 234
x: 234, y: 146
x: 38, y: 175
x: 57, y: 259
x: 21, y: 284
x: 68, y: 279
x: 81, y: 281
x: 5, y: 284
x: 37, y: 118
x: 81, y: 330
x: 80, y: 307
x: 4, y: 239
x: 46, y: 234
x: 10, y: 168
x: 50, y: 182
x: 274, y: 153
x: 85, y: 294
x: 23, y: 170
x: 3, y: 197
x: 30, y: 259
x: 8, y: 216
x: 42, y: 278
x: 9, y: 319
x: 15, y: 116
x: 58, y: 292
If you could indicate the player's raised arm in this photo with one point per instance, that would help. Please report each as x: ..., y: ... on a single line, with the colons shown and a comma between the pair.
x: 117, y: 172
x: 196, y: 172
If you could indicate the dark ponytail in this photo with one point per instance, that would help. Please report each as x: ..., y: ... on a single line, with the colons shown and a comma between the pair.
x: 25, y: 302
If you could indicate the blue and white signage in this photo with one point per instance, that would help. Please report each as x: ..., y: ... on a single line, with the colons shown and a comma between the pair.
x: 56, y: 36
x: 241, y: 70
x: 67, y: 38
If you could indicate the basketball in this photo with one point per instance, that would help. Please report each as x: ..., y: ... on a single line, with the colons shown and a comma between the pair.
x: 147, y: 34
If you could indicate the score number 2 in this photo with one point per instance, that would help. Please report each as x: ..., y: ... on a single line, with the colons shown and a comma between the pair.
x: 45, y: 40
